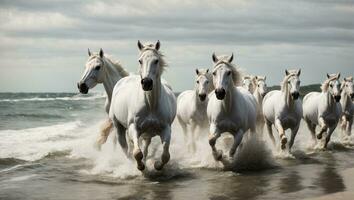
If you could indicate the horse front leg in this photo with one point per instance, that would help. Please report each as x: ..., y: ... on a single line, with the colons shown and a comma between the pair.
x: 238, y: 135
x: 349, y: 127
x: 137, y: 153
x: 328, y: 136
x: 281, y: 131
x: 323, y: 127
x: 293, y: 135
x: 213, y: 136
x: 165, y: 156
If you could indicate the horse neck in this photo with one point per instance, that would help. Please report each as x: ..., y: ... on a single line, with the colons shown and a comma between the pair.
x: 112, y: 76
x: 152, y: 97
x: 329, y: 100
x: 345, y: 101
x: 228, y: 100
x: 258, y: 97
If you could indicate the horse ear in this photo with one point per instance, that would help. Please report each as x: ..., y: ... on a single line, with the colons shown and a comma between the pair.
x: 157, y: 45
x: 88, y: 51
x: 338, y: 75
x: 231, y: 58
x: 298, y: 72
x: 265, y: 77
x: 101, y: 53
x: 328, y: 75
x: 140, y: 46
x: 197, y: 71
x: 286, y: 72
x: 215, y: 59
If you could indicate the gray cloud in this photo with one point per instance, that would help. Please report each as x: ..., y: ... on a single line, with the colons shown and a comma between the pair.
x: 315, y: 34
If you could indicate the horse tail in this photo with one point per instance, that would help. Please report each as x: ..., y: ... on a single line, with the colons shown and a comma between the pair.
x: 104, y: 133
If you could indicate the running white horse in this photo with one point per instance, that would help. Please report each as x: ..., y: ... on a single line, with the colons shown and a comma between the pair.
x: 144, y: 106
x: 323, y: 109
x: 230, y: 109
x: 283, y: 108
x: 101, y: 69
x: 347, y: 96
x: 248, y: 82
x: 259, y: 92
x: 192, y: 105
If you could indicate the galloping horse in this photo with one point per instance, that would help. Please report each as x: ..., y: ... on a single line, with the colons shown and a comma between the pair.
x: 283, y: 108
x: 230, y: 109
x: 101, y: 69
x: 248, y: 82
x: 144, y: 107
x: 347, y: 105
x: 323, y: 109
x: 192, y: 105
x: 259, y: 92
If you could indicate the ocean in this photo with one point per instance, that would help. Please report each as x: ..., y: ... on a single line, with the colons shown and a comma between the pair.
x: 47, y: 152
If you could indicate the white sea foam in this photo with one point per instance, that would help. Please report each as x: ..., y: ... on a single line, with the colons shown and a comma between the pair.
x: 78, y: 97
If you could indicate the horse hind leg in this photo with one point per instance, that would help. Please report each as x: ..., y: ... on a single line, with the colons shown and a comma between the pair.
x: 165, y: 157
x: 121, y: 136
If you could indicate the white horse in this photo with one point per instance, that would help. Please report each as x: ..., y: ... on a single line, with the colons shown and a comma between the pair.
x: 323, y: 109
x: 347, y: 96
x: 192, y: 105
x: 101, y: 69
x: 144, y: 106
x: 230, y: 109
x: 259, y: 92
x: 248, y: 82
x: 283, y: 108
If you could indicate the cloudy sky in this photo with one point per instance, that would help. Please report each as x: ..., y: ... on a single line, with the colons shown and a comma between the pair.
x: 44, y: 43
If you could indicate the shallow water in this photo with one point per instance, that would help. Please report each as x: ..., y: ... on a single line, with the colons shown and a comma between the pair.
x: 55, y: 159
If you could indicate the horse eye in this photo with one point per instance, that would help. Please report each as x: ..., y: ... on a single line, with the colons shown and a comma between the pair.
x: 207, y: 82
x: 214, y: 73
x: 140, y: 61
x: 97, y: 68
x: 331, y: 85
x: 198, y: 82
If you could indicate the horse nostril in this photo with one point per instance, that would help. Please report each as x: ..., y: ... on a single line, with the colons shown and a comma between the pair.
x: 337, y: 98
x: 295, y: 95
x: 352, y: 95
x: 147, y: 83
x: 220, y: 93
x: 202, y: 97
x: 82, y: 88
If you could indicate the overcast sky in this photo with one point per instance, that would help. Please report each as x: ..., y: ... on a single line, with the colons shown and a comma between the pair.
x: 43, y: 43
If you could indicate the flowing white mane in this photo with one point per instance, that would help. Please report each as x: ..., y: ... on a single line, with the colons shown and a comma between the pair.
x: 115, y: 63
x: 236, y: 72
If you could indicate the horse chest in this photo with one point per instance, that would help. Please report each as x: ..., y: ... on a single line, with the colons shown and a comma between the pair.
x: 149, y: 123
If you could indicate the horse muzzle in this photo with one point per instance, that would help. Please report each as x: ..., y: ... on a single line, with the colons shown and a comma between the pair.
x: 147, y: 84
x: 352, y: 96
x: 202, y: 97
x: 337, y: 98
x: 220, y: 93
x: 82, y: 88
x: 295, y: 95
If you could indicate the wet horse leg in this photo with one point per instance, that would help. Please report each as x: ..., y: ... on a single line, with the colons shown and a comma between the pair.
x: 213, y: 136
x: 323, y: 126
x: 165, y: 156
x: 238, y: 135
x: 281, y: 131
x: 137, y: 153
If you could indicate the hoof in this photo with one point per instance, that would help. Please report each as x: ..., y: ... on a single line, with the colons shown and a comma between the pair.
x: 138, y: 155
x: 232, y: 153
x: 141, y: 166
x: 217, y: 155
x: 158, y: 165
x: 284, y: 140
